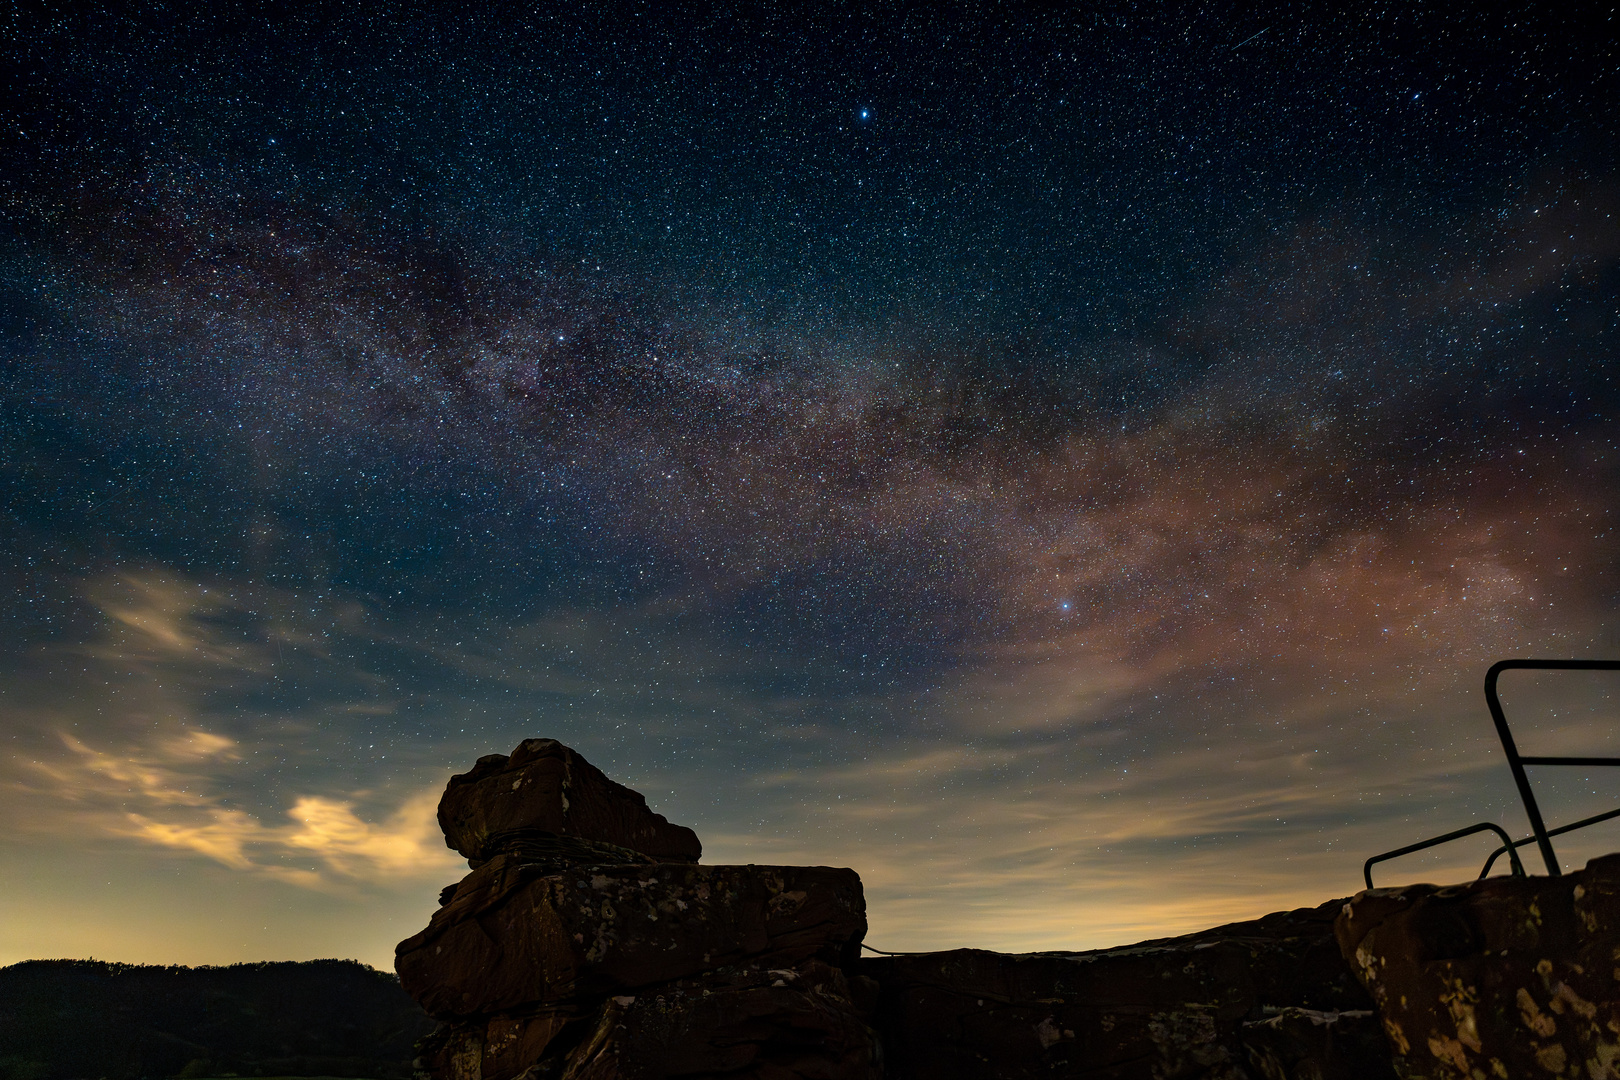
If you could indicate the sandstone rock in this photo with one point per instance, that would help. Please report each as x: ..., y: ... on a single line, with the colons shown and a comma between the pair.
x: 754, y: 1022
x: 546, y: 790
x: 1171, y: 1008
x: 581, y: 947
x: 1506, y: 977
x: 503, y: 1046
x: 1309, y: 1044
x: 742, y: 1022
x: 514, y: 935
x: 587, y: 944
x: 544, y: 853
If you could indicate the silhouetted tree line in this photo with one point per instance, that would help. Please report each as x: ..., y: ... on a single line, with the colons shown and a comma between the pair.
x: 87, y: 1020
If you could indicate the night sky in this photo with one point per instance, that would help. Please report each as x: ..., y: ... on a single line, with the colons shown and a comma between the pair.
x: 1073, y: 469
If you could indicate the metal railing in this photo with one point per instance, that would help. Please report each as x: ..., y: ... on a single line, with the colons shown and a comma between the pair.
x: 1541, y: 836
x: 1436, y: 841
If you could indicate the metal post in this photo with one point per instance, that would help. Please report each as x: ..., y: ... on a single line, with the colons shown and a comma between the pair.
x: 1532, y: 811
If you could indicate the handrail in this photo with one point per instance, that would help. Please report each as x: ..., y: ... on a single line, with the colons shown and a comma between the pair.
x: 1517, y: 763
x: 1513, y: 856
x: 1581, y: 824
x: 1540, y: 834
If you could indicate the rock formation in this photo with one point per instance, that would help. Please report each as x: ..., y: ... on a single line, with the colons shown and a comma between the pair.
x: 516, y: 936
x: 1269, y: 998
x: 1506, y: 977
x: 547, y: 798
x: 588, y: 944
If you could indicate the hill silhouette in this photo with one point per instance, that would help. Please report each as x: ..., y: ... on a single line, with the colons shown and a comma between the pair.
x: 88, y: 1020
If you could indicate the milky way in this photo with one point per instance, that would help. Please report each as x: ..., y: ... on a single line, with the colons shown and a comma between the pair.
x: 1075, y: 473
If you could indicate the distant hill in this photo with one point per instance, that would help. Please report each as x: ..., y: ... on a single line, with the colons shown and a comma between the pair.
x: 87, y: 1020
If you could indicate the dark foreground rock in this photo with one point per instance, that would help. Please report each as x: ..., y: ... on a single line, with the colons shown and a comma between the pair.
x: 587, y: 945
x: 513, y: 937
x: 742, y: 1022
x: 544, y: 790
x: 1268, y: 998
x: 1307, y: 1044
x: 1506, y: 977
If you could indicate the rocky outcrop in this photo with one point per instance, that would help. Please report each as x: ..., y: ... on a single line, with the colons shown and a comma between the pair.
x: 1505, y: 977
x: 1307, y: 1044
x: 1268, y: 998
x: 747, y: 1021
x: 587, y: 943
x: 513, y: 937
x: 542, y: 795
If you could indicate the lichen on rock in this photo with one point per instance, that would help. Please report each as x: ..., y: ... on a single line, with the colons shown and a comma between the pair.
x: 1505, y: 977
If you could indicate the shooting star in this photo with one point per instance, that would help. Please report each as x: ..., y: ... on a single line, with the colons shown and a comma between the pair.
x: 1246, y: 40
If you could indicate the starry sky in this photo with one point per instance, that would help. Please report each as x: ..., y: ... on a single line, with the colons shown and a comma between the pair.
x: 1074, y: 469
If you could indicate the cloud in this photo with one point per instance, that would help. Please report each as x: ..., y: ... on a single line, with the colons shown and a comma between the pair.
x: 172, y: 797
x: 158, y: 619
x: 408, y: 842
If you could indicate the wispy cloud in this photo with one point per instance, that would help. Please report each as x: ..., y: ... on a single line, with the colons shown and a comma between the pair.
x: 155, y: 618
x: 169, y: 793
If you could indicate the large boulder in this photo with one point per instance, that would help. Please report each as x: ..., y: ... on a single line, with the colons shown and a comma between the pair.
x: 1250, y: 999
x: 544, y: 790
x: 587, y: 945
x: 503, y: 1046
x: 751, y: 1022
x: 1506, y: 977
x: 515, y: 935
